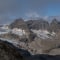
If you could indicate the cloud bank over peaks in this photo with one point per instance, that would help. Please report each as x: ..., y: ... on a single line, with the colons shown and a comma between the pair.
x: 34, y: 15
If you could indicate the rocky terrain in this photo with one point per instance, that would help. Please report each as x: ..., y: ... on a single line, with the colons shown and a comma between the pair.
x: 36, y: 36
x: 10, y: 52
x: 38, y: 24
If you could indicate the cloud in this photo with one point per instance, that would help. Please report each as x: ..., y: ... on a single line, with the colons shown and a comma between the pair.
x: 32, y: 15
x: 10, y: 9
x: 45, y: 17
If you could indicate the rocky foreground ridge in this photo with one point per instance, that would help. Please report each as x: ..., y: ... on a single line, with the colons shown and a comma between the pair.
x: 9, y: 52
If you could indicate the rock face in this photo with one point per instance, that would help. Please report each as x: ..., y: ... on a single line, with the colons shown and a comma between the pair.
x: 9, y: 52
x: 55, y: 25
x: 19, y: 23
x: 45, y: 57
x: 38, y: 24
x: 55, y: 51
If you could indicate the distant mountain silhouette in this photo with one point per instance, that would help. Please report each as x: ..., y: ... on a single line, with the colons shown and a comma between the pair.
x: 19, y: 23
x: 36, y: 24
x: 55, y: 25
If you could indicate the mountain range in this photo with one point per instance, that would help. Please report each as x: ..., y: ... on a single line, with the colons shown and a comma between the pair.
x: 54, y: 25
x: 36, y: 36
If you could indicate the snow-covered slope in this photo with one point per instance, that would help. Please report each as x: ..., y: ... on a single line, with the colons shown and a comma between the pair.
x: 5, y: 29
x: 44, y: 34
x: 19, y: 32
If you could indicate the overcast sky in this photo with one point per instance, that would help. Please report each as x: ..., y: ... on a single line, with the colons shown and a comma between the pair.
x: 12, y: 9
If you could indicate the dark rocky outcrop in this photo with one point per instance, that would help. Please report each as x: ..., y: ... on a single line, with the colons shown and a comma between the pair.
x: 9, y: 52
x: 45, y: 57
x: 55, y: 25
x: 38, y: 24
x: 19, y: 23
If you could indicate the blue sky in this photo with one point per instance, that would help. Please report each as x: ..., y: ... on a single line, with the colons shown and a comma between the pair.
x: 13, y: 9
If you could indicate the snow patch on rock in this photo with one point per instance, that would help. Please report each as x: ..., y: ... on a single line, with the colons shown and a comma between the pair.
x: 44, y: 34
x: 19, y: 32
